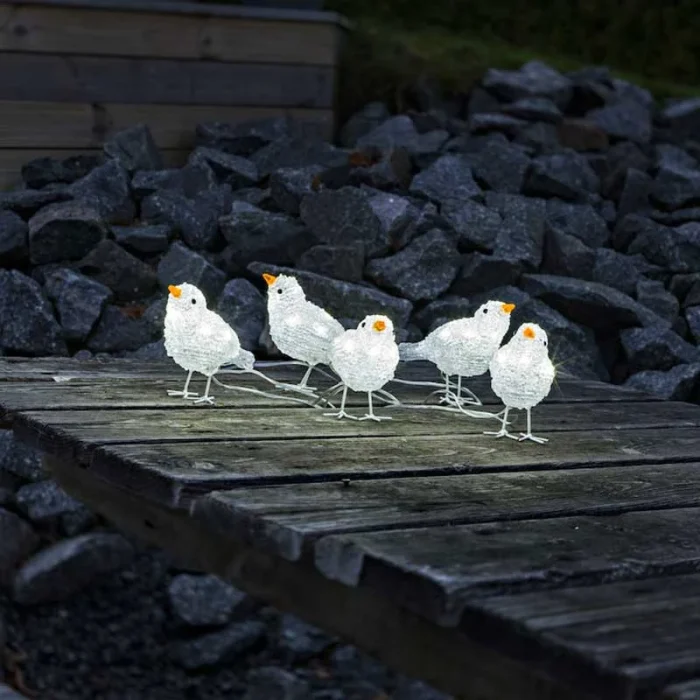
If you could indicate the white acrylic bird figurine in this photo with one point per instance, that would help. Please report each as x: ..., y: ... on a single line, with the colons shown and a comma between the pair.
x: 298, y: 328
x: 522, y: 375
x: 199, y: 340
x: 365, y: 359
x: 463, y: 347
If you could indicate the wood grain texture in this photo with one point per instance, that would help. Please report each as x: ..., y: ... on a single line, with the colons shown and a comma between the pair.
x: 80, y: 430
x: 193, y: 9
x: 102, y: 392
x: 89, y: 79
x: 438, y: 571
x: 287, y: 520
x: 12, y: 160
x: 175, y: 473
x: 638, y: 635
x: 54, y: 125
x: 124, y: 32
x: 564, y: 391
x: 446, y: 658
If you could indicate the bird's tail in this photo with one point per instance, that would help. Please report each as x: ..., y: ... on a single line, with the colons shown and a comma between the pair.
x: 412, y: 351
x: 244, y: 359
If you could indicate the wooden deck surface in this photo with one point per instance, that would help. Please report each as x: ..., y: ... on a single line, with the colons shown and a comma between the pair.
x: 493, y: 569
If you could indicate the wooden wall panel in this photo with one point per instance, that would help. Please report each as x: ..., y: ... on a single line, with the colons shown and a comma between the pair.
x: 97, y: 31
x: 67, y: 125
x: 91, y: 79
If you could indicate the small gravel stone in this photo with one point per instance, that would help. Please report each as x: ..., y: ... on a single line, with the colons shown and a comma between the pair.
x: 202, y: 601
x: 27, y: 323
x: 421, y: 271
x: 180, y: 264
x: 17, y: 542
x: 243, y: 307
x: 271, y: 683
x: 64, y: 568
x: 79, y: 302
x: 218, y: 648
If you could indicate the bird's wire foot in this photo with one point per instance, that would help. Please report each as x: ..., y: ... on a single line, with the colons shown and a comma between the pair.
x: 341, y: 414
x: 533, y: 438
x: 375, y: 417
x: 209, y: 400
x: 183, y: 394
x: 501, y: 433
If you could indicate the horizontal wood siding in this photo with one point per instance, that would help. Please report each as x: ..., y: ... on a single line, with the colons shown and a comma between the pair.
x: 159, y: 81
x: 96, y: 31
x: 67, y: 125
x: 74, y: 73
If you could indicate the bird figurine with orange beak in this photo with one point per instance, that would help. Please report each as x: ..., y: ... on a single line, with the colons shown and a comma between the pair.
x: 365, y: 359
x: 299, y: 329
x: 199, y: 340
x: 463, y: 347
x: 522, y: 375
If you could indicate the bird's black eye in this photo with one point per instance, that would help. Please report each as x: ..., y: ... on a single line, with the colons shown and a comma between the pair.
x: 279, y: 291
x: 194, y: 301
x: 363, y: 324
x: 486, y: 311
x: 544, y: 342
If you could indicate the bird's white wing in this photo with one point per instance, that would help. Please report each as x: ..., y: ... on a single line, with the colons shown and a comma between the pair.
x: 214, y: 330
x: 321, y: 323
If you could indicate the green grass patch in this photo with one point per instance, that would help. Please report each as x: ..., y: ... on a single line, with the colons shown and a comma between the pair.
x: 382, y: 59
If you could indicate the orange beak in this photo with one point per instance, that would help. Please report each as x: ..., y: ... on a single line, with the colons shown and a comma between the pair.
x: 507, y: 308
x: 270, y: 279
x: 529, y: 333
x: 379, y: 325
x: 175, y: 291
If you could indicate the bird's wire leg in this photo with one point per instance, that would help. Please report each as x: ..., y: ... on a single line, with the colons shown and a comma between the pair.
x: 206, y: 398
x: 371, y: 414
x: 503, y: 432
x: 528, y: 435
x: 323, y: 396
x: 185, y: 393
x: 472, y: 398
x: 301, y: 387
x: 342, y: 413
x: 266, y: 394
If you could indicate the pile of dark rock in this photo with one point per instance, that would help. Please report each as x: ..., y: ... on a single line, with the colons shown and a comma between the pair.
x: 574, y: 196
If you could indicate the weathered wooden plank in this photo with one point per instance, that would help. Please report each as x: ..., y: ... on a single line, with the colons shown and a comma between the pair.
x: 437, y: 571
x: 564, y: 391
x: 81, y: 430
x: 682, y: 691
x: 124, y: 32
x: 53, y: 125
x: 175, y: 473
x: 12, y: 160
x: 89, y: 79
x: 193, y: 9
x: 637, y: 635
x: 446, y: 658
x: 103, y: 392
x: 288, y: 519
